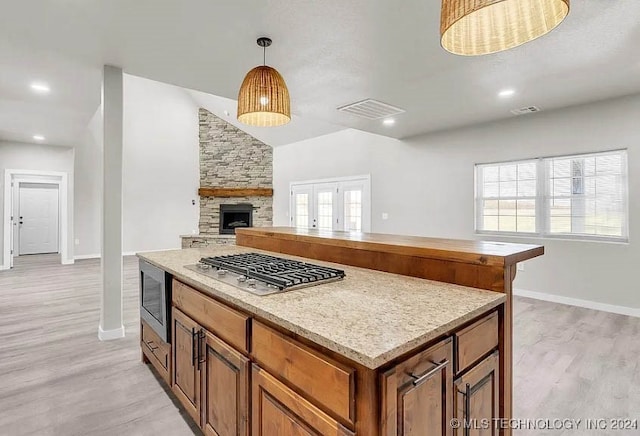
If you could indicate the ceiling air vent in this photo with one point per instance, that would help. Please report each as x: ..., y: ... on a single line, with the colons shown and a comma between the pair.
x: 371, y: 109
x: 525, y: 110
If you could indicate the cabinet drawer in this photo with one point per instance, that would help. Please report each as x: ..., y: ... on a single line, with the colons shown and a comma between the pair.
x: 157, y: 351
x: 475, y: 341
x: 226, y: 323
x: 323, y: 381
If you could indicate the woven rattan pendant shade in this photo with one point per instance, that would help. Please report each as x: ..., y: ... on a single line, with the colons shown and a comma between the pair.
x: 478, y: 27
x: 263, y: 100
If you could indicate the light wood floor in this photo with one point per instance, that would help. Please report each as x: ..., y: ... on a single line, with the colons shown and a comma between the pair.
x: 56, y: 378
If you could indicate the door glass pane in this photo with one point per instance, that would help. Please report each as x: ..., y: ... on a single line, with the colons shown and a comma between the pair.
x: 325, y: 210
x: 301, y: 217
x: 353, y: 210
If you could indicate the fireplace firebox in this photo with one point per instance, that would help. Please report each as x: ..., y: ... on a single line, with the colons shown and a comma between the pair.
x: 233, y: 216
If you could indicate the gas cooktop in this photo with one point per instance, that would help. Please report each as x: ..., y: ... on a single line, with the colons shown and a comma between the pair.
x: 262, y: 274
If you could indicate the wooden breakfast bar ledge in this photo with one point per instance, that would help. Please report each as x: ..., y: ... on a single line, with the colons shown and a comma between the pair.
x: 479, y: 264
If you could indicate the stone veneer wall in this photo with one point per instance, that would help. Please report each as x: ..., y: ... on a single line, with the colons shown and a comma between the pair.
x: 231, y: 158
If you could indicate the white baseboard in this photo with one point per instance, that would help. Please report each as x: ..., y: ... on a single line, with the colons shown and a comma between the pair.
x: 4, y: 268
x: 87, y: 256
x: 108, y: 335
x: 98, y: 256
x: 68, y: 261
x: 587, y: 304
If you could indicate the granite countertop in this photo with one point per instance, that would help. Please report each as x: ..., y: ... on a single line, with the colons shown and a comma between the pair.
x: 370, y: 317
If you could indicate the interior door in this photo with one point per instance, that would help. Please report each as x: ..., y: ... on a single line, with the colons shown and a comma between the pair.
x: 38, y: 218
x: 302, y: 210
x: 325, y: 203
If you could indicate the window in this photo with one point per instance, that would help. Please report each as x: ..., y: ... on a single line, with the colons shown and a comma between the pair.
x: 574, y: 196
x: 353, y: 210
x: 337, y: 204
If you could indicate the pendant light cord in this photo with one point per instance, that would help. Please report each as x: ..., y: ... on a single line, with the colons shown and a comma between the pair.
x: 264, y: 56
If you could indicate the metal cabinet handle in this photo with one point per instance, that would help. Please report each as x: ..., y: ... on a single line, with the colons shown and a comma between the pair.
x: 419, y: 379
x: 193, y: 346
x: 149, y: 344
x: 467, y: 411
x: 201, y: 347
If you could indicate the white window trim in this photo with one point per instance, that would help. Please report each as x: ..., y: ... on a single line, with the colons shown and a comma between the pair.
x: 542, y: 217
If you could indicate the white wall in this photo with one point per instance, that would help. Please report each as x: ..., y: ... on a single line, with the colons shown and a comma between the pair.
x: 88, y: 174
x: 24, y: 156
x: 160, y: 170
x: 426, y: 185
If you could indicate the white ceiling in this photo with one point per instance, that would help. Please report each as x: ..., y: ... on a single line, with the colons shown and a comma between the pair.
x: 331, y: 53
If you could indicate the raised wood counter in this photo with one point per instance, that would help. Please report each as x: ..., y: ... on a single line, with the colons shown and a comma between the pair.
x: 478, y: 264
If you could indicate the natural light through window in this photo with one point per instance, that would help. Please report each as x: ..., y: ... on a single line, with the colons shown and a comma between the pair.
x: 325, y: 210
x: 302, y: 210
x: 353, y: 210
x: 574, y: 196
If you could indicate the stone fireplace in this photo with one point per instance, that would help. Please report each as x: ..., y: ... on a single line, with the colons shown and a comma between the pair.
x: 234, y: 166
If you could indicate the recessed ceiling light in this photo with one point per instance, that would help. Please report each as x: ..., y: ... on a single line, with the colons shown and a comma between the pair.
x: 41, y: 88
x: 506, y: 93
x: 38, y: 137
x: 389, y: 122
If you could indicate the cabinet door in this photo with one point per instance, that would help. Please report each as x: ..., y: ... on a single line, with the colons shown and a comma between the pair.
x: 477, y: 398
x: 277, y: 410
x: 186, y: 371
x: 225, y: 389
x: 417, y: 394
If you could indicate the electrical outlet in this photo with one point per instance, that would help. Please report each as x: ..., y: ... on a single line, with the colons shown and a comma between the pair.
x: 520, y: 266
x: 385, y: 216
x: 77, y: 241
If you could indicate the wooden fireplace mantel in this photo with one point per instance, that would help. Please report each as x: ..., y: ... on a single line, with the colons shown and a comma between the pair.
x: 235, y: 192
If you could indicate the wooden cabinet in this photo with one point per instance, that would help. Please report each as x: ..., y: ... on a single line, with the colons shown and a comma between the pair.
x: 476, y: 341
x: 186, y: 363
x: 417, y: 394
x: 277, y: 410
x: 238, y: 376
x: 225, y: 389
x: 155, y: 351
x: 307, y: 371
x: 477, y: 398
x: 210, y: 379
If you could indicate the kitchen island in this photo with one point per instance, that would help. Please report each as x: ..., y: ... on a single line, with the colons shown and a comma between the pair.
x: 373, y: 354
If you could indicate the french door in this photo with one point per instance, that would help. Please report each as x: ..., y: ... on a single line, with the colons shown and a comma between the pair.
x: 332, y: 205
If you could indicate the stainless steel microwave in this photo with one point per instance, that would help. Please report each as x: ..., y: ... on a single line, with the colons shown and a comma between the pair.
x: 155, y: 299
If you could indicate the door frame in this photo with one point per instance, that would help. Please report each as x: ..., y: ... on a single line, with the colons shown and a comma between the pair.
x: 366, y: 178
x: 12, y: 176
x: 18, y: 184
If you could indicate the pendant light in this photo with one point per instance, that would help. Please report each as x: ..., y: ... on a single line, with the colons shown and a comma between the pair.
x: 479, y: 27
x: 263, y: 99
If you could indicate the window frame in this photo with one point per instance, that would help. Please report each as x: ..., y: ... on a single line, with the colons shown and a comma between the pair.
x: 542, y: 198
